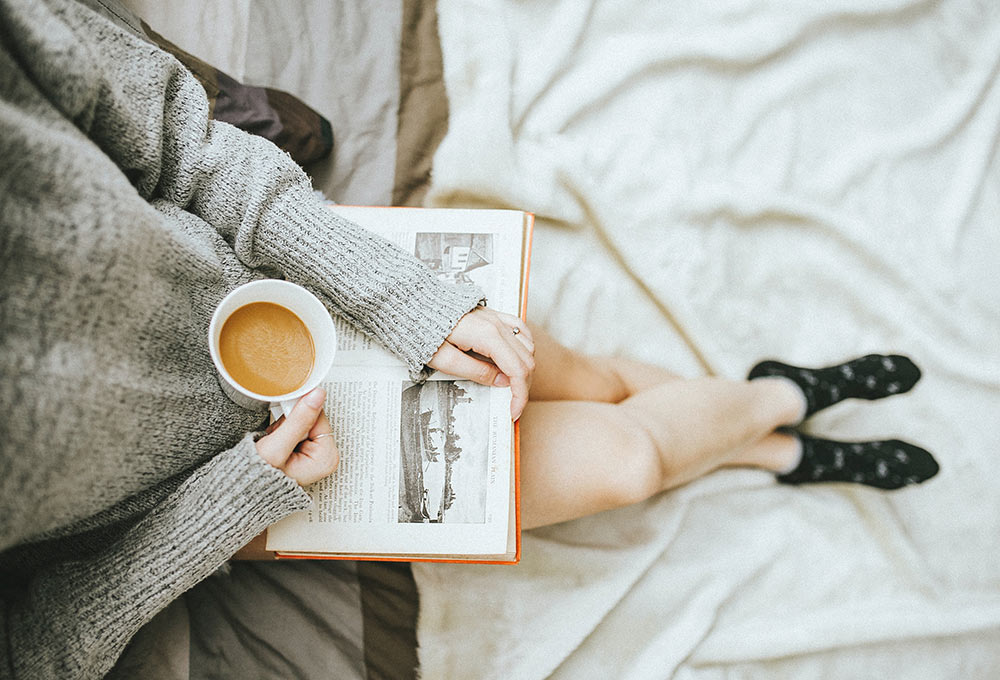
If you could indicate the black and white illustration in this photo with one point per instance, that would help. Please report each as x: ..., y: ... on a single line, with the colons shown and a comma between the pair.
x: 458, y: 257
x: 444, y: 456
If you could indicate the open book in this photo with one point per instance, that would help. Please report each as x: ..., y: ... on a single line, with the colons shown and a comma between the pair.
x: 427, y: 471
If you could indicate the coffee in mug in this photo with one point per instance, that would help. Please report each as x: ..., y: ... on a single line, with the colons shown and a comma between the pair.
x: 271, y: 341
x: 266, y: 348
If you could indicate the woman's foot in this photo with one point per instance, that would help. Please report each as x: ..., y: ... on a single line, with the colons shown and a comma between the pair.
x: 888, y: 464
x: 874, y: 376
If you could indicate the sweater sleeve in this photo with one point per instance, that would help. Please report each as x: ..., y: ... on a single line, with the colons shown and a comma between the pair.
x: 151, y: 117
x: 75, y: 618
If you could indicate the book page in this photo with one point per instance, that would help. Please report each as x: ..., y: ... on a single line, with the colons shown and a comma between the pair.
x: 424, y: 468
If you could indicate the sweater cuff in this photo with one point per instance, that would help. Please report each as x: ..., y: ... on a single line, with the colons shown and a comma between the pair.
x: 382, y: 289
x: 70, y: 606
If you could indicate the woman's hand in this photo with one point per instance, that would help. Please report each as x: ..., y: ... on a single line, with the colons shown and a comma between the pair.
x: 294, y: 445
x: 490, y: 334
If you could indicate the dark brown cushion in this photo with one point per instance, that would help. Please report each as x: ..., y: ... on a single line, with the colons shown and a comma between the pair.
x: 264, y: 111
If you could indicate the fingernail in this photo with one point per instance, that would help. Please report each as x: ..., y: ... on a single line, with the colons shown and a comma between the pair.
x: 315, y: 398
x: 501, y: 381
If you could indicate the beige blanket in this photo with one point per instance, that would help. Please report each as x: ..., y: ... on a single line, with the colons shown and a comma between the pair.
x: 799, y: 180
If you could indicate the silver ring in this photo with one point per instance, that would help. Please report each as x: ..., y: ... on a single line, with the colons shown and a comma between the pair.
x: 320, y: 436
x: 516, y: 330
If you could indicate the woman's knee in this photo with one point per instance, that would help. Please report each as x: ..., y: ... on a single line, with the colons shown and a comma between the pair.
x: 637, y: 470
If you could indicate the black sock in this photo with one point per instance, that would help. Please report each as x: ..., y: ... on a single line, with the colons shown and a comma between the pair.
x: 889, y: 464
x: 869, y: 377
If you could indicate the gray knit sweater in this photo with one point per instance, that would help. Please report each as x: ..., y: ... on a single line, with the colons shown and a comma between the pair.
x: 126, y: 475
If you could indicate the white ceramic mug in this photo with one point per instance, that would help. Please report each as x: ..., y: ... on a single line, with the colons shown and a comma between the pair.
x: 307, y: 307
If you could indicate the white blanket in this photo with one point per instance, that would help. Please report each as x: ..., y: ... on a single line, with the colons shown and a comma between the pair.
x: 787, y: 179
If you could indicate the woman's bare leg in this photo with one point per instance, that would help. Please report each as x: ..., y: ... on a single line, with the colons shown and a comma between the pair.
x: 777, y: 452
x: 601, y: 433
x: 583, y: 457
x: 565, y: 374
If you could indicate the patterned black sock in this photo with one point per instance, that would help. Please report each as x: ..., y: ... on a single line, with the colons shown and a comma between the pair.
x: 869, y: 377
x: 889, y: 464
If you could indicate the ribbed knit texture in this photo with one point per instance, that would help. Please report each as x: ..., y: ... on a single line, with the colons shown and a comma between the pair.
x: 82, y: 611
x: 126, y: 214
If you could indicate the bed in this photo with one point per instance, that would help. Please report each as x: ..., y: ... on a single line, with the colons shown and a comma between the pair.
x: 714, y: 183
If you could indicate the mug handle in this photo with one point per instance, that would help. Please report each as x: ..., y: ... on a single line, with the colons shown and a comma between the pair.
x: 282, y: 408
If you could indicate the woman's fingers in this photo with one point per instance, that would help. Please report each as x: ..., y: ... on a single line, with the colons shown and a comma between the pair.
x: 526, y: 342
x: 293, y: 444
x: 517, y: 363
x: 491, y: 335
x: 315, y: 457
x: 320, y: 427
x: 297, y: 424
x: 523, y: 331
x: 525, y: 347
x: 453, y: 361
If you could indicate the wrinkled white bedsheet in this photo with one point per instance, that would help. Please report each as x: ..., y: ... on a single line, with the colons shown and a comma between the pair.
x: 789, y: 179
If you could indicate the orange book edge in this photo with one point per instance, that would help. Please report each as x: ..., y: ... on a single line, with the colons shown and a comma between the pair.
x: 529, y: 231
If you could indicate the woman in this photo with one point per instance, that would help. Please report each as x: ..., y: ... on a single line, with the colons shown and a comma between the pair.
x: 126, y: 475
